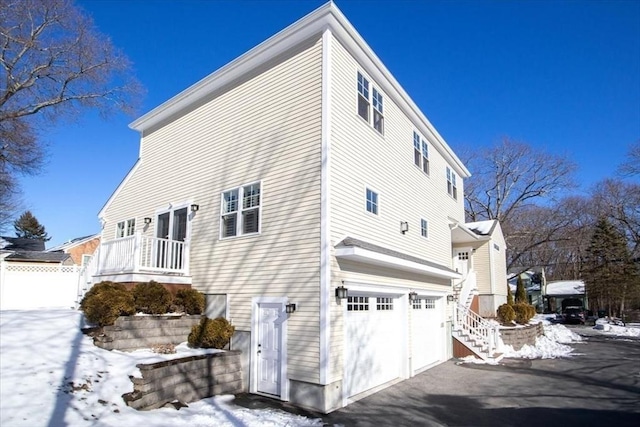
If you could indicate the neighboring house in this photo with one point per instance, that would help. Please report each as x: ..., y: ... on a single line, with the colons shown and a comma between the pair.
x: 19, y: 249
x: 80, y: 249
x: 559, y: 290
x: 532, y: 282
x: 305, y: 193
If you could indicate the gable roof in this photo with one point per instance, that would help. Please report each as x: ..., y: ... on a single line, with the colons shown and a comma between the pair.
x: 73, y: 242
x: 20, y: 244
x: 326, y: 17
x: 482, y: 228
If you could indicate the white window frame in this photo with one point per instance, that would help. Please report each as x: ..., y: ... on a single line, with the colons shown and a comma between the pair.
x: 377, y: 201
x: 374, y: 98
x: 240, y: 210
x: 452, y: 187
x: 424, y: 228
x: 421, y: 153
x: 125, y: 228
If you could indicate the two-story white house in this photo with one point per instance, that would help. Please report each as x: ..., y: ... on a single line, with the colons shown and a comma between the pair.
x: 307, y: 195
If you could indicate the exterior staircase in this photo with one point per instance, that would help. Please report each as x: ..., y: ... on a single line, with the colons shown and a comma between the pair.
x: 469, y: 328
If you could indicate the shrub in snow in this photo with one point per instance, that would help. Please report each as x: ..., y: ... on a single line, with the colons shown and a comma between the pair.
x: 105, y: 302
x: 509, y: 295
x: 521, y: 293
x: 190, y: 301
x: 524, y: 312
x: 211, y: 333
x: 505, y: 313
x: 152, y: 298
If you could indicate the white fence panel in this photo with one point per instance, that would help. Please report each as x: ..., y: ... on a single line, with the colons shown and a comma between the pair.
x: 28, y: 286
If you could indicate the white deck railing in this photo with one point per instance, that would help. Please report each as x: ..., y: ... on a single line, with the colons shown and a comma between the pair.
x: 138, y: 253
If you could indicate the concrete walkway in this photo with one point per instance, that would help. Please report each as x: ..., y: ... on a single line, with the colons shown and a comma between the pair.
x: 599, y: 386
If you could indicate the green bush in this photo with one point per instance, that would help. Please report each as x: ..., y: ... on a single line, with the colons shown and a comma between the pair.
x: 524, y: 312
x: 190, y: 300
x: 506, y: 314
x: 211, y: 333
x: 152, y: 298
x: 521, y: 293
x: 105, y: 301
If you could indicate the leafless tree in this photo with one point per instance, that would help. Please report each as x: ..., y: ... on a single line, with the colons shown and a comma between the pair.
x: 631, y: 166
x: 53, y: 62
x: 516, y: 184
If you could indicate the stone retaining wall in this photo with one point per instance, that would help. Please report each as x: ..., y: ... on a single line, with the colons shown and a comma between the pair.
x: 186, y: 379
x: 134, y: 332
x: 518, y: 337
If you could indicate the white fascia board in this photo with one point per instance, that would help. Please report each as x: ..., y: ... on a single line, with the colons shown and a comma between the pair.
x: 375, y: 258
x: 312, y: 25
x: 119, y: 187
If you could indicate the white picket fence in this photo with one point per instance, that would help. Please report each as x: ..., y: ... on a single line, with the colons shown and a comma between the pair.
x: 31, y: 285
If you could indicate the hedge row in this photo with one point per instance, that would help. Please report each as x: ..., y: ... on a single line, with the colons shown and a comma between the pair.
x: 107, y: 300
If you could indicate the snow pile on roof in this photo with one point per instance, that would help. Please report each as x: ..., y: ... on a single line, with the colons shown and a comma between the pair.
x: 480, y: 227
x: 565, y: 287
x: 53, y: 376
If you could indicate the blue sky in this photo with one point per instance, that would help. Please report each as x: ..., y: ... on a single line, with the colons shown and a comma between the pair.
x: 560, y: 75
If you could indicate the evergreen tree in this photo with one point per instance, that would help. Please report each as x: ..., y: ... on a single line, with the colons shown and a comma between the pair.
x: 609, y: 272
x: 509, y: 295
x: 29, y: 227
x: 521, y: 293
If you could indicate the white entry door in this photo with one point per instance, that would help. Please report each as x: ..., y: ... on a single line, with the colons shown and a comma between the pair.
x: 462, y: 260
x: 269, y: 348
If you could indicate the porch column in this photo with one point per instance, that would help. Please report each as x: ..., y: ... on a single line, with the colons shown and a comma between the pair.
x: 137, y: 243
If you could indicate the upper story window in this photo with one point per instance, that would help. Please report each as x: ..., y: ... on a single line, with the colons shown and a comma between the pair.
x: 372, y: 201
x: 126, y: 228
x: 240, y: 211
x: 366, y: 97
x: 452, y: 187
x: 424, y: 228
x: 363, y: 97
x: 420, y: 152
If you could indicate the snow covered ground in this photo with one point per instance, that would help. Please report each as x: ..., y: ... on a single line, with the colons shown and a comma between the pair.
x: 52, y: 375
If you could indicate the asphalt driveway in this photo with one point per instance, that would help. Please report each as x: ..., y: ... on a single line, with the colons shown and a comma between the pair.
x: 599, y: 386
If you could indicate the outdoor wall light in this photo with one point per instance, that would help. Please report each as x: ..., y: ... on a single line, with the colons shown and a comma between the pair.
x: 404, y: 227
x: 413, y: 296
x: 195, y: 208
x: 147, y: 220
x: 342, y: 292
x: 290, y: 308
x: 449, y: 298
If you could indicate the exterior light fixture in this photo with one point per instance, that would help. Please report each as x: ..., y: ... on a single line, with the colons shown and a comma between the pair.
x: 147, y: 220
x: 290, y: 308
x: 342, y: 292
x: 413, y: 296
x: 449, y: 298
x: 195, y: 208
x: 404, y: 227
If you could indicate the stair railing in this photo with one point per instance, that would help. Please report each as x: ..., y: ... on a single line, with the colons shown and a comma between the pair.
x: 476, y: 327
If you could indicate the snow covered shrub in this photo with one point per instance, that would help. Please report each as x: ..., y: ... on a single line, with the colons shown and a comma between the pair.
x: 524, y: 312
x: 505, y: 313
x: 211, y: 333
x: 152, y: 298
x: 105, y: 301
x: 190, y: 300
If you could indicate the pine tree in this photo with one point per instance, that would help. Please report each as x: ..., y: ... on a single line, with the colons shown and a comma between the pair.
x: 609, y: 272
x: 521, y: 293
x: 28, y: 227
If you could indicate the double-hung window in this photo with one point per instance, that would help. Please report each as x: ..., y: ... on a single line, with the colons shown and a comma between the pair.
x: 372, y: 201
x: 126, y: 228
x: 424, y: 228
x: 452, y: 187
x: 363, y: 97
x: 420, y: 152
x: 368, y: 95
x: 240, y: 211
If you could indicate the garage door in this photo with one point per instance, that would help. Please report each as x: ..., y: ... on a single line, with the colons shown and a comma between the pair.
x: 427, y: 332
x: 374, y: 348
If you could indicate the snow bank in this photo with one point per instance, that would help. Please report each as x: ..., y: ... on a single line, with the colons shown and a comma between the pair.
x: 609, y: 327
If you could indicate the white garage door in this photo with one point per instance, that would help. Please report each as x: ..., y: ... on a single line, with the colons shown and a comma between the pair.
x: 374, y: 342
x: 427, y: 332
